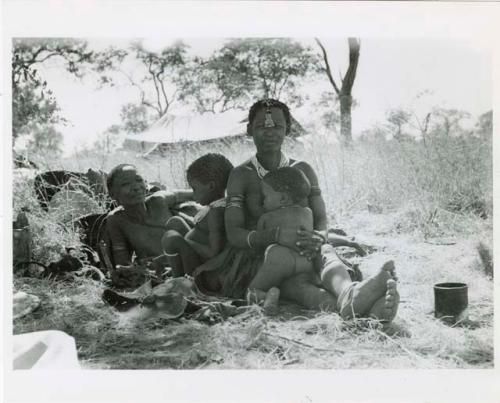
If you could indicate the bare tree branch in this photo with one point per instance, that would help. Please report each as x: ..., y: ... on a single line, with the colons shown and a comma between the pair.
x: 327, y: 66
x: 155, y: 83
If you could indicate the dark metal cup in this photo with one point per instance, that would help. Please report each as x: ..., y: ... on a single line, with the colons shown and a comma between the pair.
x: 450, y: 301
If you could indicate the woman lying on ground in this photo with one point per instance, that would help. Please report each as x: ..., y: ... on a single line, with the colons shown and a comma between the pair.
x: 139, y: 223
x: 233, y: 270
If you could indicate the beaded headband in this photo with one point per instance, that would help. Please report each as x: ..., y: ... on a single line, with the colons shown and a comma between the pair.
x: 268, y: 122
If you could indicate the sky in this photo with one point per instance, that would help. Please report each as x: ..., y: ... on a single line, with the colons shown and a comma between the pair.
x: 452, y: 73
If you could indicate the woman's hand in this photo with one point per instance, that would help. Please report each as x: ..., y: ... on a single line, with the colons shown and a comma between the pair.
x: 310, y: 242
x: 307, y: 243
x: 358, y: 247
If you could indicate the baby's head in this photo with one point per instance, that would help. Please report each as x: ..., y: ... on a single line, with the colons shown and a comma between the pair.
x: 208, y: 176
x: 284, y: 187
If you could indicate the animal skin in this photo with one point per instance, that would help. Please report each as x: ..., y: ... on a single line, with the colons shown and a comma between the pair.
x: 92, y: 182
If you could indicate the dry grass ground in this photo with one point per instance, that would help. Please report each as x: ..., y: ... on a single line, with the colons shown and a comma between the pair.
x: 429, y: 241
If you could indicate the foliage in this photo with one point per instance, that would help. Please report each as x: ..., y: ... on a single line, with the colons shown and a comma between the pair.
x: 135, y: 118
x: 32, y: 101
x: 109, y: 140
x: 484, y: 125
x: 398, y: 118
x: 44, y: 139
x: 243, y: 70
x: 155, y: 75
x: 449, y: 121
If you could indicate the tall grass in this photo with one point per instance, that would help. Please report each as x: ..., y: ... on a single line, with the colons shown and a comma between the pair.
x: 438, y: 184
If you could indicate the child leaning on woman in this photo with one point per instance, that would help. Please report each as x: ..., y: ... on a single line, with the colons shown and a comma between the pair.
x: 186, y: 246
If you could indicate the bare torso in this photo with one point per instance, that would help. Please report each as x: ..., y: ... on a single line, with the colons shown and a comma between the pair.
x: 129, y: 234
x: 292, y: 217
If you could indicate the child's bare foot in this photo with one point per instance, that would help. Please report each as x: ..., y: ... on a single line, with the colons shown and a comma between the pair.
x: 360, y: 298
x: 385, y: 308
x: 271, y: 303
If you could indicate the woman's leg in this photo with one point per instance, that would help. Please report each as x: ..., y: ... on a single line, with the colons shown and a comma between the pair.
x: 183, y: 259
x: 302, y: 290
x: 333, y: 272
x: 355, y: 299
x: 341, y: 294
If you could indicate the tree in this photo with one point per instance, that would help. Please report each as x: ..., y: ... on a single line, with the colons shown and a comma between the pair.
x: 449, y: 122
x: 484, y: 125
x: 32, y: 101
x: 328, y: 106
x: 344, y: 93
x: 155, y: 75
x: 109, y: 139
x: 244, y: 70
x: 135, y: 118
x: 398, y: 118
x: 44, y: 139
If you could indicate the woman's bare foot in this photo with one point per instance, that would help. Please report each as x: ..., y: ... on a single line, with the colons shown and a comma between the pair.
x: 358, y: 300
x: 385, y: 308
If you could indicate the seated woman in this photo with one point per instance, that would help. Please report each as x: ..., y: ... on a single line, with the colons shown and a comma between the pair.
x: 139, y: 223
x: 332, y: 289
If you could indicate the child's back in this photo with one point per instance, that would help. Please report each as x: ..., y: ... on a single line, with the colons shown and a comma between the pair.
x: 290, y: 217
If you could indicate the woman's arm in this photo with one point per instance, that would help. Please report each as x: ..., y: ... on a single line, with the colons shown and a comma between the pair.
x: 242, y: 193
x: 171, y: 198
x: 120, y: 248
x: 316, y: 201
x: 182, y: 195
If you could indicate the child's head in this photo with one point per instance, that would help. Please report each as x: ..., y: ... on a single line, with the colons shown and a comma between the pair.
x: 284, y: 187
x: 208, y: 176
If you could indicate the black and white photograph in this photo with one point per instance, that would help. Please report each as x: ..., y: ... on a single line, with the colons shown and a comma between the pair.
x: 208, y: 201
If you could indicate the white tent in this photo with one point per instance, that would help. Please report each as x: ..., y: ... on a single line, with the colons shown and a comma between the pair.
x: 175, y: 130
x: 172, y: 129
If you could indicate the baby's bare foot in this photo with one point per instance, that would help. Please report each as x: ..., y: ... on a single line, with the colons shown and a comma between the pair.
x: 271, y: 303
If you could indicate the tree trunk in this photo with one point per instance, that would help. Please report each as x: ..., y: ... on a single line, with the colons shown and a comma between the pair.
x: 345, y: 118
x: 344, y: 93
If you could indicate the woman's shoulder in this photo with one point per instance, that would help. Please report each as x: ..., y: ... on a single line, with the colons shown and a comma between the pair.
x: 244, y: 168
x: 306, y: 168
x: 115, y: 215
x: 243, y: 172
x: 300, y: 164
x: 116, y: 212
